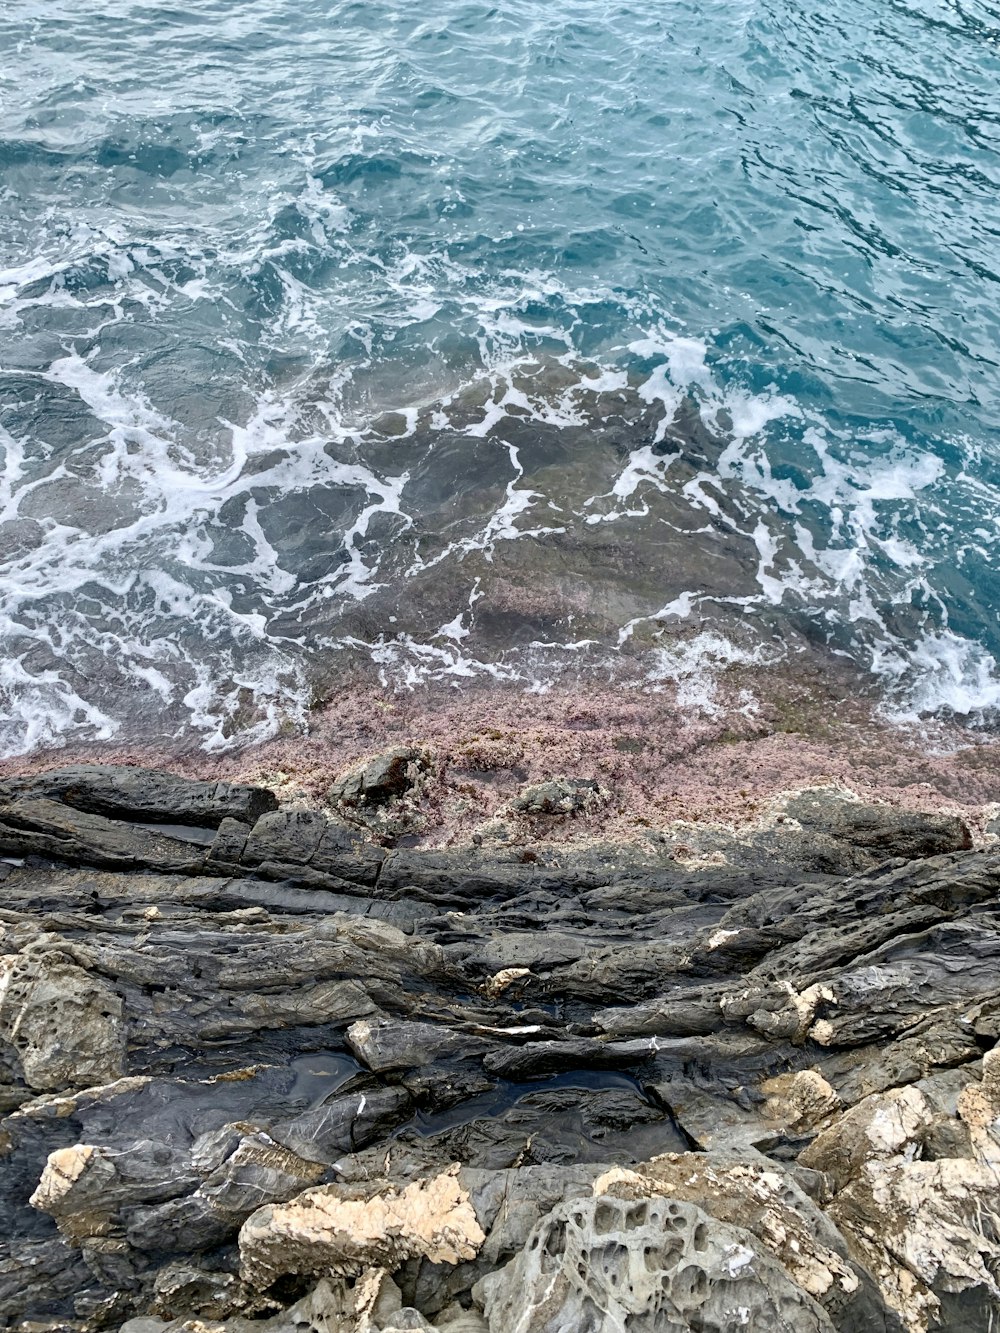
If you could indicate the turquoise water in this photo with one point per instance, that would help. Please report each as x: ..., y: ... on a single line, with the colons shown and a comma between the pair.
x: 491, y: 341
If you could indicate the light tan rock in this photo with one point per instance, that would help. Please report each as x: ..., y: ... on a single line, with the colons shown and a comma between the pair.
x: 348, y: 1229
x: 881, y: 1126
x: 800, y: 1101
x: 979, y: 1109
x: 499, y: 981
x: 65, y: 1024
x: 925, y: 1228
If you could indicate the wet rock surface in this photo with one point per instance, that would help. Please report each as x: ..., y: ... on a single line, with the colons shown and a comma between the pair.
x: 261, y: 1071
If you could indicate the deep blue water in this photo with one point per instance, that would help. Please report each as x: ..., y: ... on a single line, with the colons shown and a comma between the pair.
x: 491, y: 340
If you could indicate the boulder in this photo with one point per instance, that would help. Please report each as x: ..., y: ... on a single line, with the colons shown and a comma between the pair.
x: 381, y: 779
x: 561, y: 796
x: 66, y: 1025
x: 613, y: 1265
x: 347, y: 1229
x: 882, y: 831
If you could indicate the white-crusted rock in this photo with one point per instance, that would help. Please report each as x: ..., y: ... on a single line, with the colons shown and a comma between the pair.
x: 347, y: 1229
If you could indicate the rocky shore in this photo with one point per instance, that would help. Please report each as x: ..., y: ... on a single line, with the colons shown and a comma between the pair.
x: 264, y: 1066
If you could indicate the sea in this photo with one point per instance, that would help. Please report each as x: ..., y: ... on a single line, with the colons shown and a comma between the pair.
x: 501, y: 343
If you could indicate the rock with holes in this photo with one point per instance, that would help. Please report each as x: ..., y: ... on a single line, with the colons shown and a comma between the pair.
x: 657, y: 1265
x: 750, y: 1192
x: 65, y: 1025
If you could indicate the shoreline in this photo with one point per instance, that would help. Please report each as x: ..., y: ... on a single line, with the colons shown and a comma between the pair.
x: 658, y: 762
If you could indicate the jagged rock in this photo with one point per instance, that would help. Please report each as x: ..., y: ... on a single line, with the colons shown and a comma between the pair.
x: 383, y: 778
x: 183, y: 1289
x: 65, y: 1024
x: 878, y: 1127
x: 88, y: 1189
x: 561, y: 796
x: 801, y: 1101
x: 929, y: 1230
x: 347, y: 1229
x: 655, y: 1263
x: 83, y: 1186
x: 928, y: 1233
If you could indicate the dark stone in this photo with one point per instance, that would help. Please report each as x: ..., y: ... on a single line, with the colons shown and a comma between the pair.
x: 384, y: 778
x: 879, y: 829
x: 144, y: 794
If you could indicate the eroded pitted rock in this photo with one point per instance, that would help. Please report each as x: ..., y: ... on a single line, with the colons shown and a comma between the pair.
x: 66, y: 1025
x: 758, y: 1196
x: 347, y: 1229
x: 652, y: 1265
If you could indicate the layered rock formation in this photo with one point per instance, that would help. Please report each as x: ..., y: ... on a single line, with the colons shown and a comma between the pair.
x: 260, y: 1071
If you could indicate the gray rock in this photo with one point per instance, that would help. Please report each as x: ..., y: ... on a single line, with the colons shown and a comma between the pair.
x: 143, y: 794
x: 652, y: 1264
x: 881, y: 830
x: 383, y: 1044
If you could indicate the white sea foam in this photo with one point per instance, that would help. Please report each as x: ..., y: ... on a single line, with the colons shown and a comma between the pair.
x: 842, y: 539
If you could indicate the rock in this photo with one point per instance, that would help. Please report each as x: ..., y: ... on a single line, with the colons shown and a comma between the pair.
x: 34, y: 825
x: 749, y: 1192
x: 611, y: 1264
x: 928, y: 1233
x: 381, y: 779
x: 143, y: 794
x: 383, y: 1045
x: 84, y: 1186
x: 182, y: 1290
x: 881, y: 830
x: 561, y: 796
x: 879, y: 1127
x: 347, y: 1229
x: 800, y: 1101
x: 65, y: 1024
x: 341, y: 1123
x: 310, y: 1017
